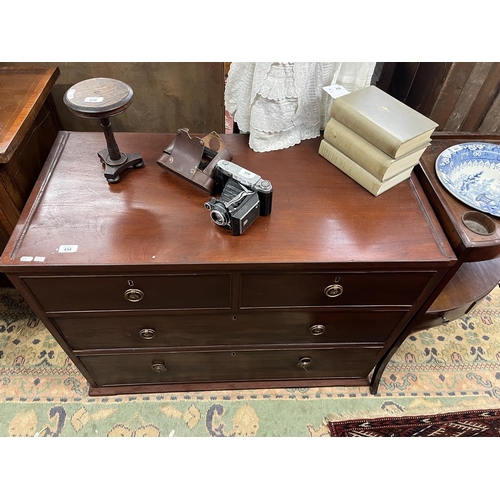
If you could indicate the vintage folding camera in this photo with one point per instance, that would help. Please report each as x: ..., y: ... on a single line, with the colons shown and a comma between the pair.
x: 244, y: 196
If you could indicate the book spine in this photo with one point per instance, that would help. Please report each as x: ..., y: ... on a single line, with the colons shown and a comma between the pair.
x: 349, y: 167
x: 366, y: 128
x: 358, y: 149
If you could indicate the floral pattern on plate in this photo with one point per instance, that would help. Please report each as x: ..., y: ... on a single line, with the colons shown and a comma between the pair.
x: 471, y: 172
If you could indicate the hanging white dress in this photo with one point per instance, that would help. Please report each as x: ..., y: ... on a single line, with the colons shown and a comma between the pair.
x: 281, y: 104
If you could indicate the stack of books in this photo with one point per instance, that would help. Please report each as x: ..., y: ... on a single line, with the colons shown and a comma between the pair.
x: 374, y: 138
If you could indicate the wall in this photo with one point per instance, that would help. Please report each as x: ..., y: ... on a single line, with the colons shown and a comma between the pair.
x: 459, y: 96
x: 167, y: 95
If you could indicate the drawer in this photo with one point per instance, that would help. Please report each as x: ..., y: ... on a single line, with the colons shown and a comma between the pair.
x: 230, y: 366
x: 153, y: 330
x: 332, y: 289
x: 79, y: 293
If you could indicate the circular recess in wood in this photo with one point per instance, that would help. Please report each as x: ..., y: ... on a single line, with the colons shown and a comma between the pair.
x: 479, y: 223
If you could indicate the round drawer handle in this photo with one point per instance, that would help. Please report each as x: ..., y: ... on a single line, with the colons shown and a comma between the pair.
x: 304, y: 362
x: 147, y: 334
x: 317, y: 329
x: 134, y: 295
x: 445, y: 320
x: 158, y: 367
x: 333, y: 290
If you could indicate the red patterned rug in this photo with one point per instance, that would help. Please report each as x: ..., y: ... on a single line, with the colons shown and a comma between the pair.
x: 476, y: 423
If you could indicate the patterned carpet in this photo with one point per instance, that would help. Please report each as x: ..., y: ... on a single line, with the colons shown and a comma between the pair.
x: 473, y: 423
x: 450, y: 368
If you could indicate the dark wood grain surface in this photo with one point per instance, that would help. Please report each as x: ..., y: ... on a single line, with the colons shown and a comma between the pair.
x: 470, y: 283
x: 98, y: 97
x: 232, y: 366
x: 152, y: 218
x: 182, y: 332
x: 23, y: 91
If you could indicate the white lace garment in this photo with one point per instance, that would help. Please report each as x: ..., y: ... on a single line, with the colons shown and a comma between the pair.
x: 281, y: 104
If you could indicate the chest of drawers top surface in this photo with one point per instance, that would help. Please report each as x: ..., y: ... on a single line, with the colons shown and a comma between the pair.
x: 152, y: 218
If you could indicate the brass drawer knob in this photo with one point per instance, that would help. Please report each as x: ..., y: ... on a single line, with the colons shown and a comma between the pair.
x: 158, y: 367
x: 333, y: 290
x: 304, y: 362
x: 134, y: 295
x: 147, y: 334
x: 317, y: 329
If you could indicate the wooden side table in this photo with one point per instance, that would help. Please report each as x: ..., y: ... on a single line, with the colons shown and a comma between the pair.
x: 28, y: 128
x: 476, y: 271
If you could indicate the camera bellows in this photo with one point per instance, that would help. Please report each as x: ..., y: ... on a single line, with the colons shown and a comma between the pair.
x: 244, y: 196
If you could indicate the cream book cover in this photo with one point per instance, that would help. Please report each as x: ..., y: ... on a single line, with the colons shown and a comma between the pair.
x: 383, y: 120
x: 357, y: 173
x: 365, y: 154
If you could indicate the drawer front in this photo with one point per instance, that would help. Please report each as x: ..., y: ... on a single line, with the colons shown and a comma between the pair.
x: 136, y: 331
x: 332, y: 289
x: 230, y: 366
x: 77, y: 293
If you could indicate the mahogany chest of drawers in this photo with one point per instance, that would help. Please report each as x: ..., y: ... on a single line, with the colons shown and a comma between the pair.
x: 146, y: 294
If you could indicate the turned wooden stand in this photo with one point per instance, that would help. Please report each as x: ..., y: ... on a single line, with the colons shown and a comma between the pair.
x: 103, y: 98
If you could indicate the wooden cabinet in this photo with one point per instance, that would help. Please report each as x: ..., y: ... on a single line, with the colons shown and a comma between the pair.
x: 146, y: 294
x: 28, y: 128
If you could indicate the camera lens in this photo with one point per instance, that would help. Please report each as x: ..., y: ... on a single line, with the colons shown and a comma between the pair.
x: 220, y: 217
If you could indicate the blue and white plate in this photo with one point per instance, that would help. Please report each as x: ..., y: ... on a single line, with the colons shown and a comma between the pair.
x: 471, y: 172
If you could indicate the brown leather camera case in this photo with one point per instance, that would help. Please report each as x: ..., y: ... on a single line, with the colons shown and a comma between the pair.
x: 184, y: 157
